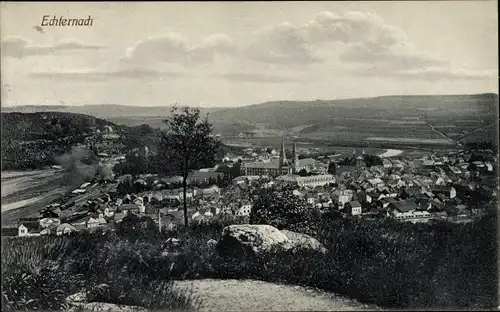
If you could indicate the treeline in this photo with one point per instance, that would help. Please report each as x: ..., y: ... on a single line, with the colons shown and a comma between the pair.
x: 31, y: 141
x: 137, y: 162
x: 35, y: 140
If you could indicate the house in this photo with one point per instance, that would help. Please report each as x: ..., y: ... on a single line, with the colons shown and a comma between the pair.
x: 244, y: 210
x: 45, y: 222
x: 65, y: 228
x: 353, y: 208
x: 210, y: 190
x: 51, y: 229
x: 448, y: 192
x: 91, y: 223
x: 131, y: 208
x: 407, y: 211
x: 376, y: 182
x: 386, y: 163
x: 28, y: 229
x: 402, y: 206
x: 118, y: 217
x: 386, y: 201
x: 201, y: 215
x: 139, y: 201
x: 344, y: 197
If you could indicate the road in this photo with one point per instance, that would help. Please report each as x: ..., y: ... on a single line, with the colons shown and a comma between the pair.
x: 444, y: 135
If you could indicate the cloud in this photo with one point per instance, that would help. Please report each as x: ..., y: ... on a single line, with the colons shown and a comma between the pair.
x: 19, y: 47
x: 355, y: 37
x: 282, y: 44
x: 430, y: 73
x: 93, y: 75
x: 249, y: 77
x: 174, y: 48
x: 402, y: 55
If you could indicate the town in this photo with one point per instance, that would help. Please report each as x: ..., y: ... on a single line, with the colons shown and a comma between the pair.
x: 457, y: 186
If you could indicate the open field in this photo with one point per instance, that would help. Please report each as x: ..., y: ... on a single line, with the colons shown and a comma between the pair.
x: 25, y: 192
x: 17, y: 182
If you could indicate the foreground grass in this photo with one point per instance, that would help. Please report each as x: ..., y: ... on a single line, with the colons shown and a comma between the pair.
x: 39, y: 273
x: 393, y: 265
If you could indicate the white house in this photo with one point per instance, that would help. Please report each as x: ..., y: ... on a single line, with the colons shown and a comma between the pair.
x: 353, y: 208
x: 244, y: 210
x: 28, y: 229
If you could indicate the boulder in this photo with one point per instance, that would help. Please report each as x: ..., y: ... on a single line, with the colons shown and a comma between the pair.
x: 246, y: 239
x: 77, y: 299
x: 304, y: 241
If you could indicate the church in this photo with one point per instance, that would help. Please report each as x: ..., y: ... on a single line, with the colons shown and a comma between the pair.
x: 281, y: 166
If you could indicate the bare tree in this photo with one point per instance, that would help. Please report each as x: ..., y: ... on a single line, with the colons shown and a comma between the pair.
x: 187, y: 144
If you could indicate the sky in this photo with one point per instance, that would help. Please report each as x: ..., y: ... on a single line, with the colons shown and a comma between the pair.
x: 222, y: 54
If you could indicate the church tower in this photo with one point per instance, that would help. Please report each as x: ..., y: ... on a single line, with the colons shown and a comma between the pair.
x: 295, y: 159
x: 283, y: 165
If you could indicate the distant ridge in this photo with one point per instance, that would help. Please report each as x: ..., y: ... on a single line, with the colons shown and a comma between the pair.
x: 425, y: 118
x: 289, y: 114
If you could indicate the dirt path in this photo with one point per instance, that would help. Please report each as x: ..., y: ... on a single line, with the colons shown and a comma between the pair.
x: 252, y: 295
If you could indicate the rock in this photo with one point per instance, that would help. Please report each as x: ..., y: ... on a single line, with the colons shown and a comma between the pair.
x: 246, y: 239
x: 77, y: 299
x: 106, y: 307
x: 304, y: 241
x: 170, y: 254
x: 211, y: 242
x: 171, y: 244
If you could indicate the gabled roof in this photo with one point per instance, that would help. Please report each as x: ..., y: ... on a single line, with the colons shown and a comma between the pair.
x: 31, y: 226
x: 404, y: 205
x: 306, y: 162
x: 129, y: 207
x: 64, y: 226
x: 355, y: 204
x: 119, y: 216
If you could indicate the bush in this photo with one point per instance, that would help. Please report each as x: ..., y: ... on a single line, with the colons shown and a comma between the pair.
x: 43, y: 271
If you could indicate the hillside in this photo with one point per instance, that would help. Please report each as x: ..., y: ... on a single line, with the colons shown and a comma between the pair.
x: 34, y: 140
x: 101, y: 111
x: 436, y: 120
x: 439, y: 120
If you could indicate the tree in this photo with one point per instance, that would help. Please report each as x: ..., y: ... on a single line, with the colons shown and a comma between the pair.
x: 187, y: 143
x: 303, y: 173
x: 332, y: 168
x: 280, y: 208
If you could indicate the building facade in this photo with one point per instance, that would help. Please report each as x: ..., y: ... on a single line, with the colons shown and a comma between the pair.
x: 282, y: 166
x: 310, y: 181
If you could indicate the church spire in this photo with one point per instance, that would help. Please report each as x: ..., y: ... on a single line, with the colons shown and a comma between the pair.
x: 283, y: 161
x: 295, y: 158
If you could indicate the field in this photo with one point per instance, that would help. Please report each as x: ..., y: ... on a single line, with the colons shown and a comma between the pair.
x: 25, y: 192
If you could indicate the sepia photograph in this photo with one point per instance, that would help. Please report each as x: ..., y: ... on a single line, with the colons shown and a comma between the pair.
x: 249, y: 156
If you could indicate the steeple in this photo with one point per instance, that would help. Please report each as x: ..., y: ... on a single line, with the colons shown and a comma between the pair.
x: 295, y: 158
x: 283, y: 161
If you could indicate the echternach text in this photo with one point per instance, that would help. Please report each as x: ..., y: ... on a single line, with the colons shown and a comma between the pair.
x: 62, y: 21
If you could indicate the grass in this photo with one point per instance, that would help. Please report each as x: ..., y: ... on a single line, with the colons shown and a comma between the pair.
x: 393, y: 265
x: 40, y: 272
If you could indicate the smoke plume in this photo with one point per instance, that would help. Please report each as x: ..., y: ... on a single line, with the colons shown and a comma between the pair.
x: 82, y: 165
